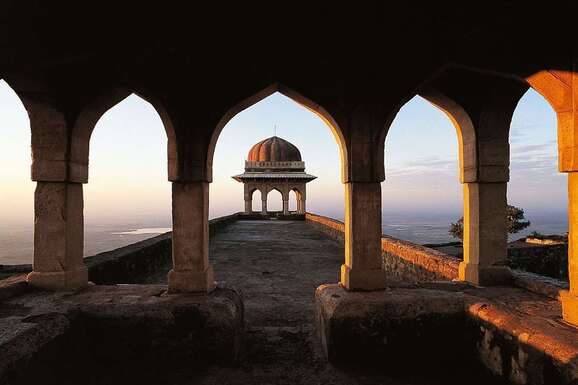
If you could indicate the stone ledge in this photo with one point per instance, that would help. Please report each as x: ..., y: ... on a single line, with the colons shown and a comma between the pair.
x: 116, y: 328
x: 516, y: 335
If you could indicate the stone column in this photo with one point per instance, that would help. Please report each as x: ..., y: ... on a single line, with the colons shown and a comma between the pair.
x: 485, y: 235
x: 264, y: 205
x: 285, y: 207
x: 302, y: 205
x: 58, y: 237
x: 191, y: 269
x: 569, y: 298
x: 362, y: 269
x: 248, y: 206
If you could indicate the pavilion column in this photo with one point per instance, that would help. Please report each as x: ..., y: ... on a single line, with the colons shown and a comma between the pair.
x: 58, y: 237
x: 569, y: 298
x: 264, y: 205
x: 190, y: 240
x: 285, y: 207
x: 58, y: 200
x: 302, y: 205
x: 362, y: 269
x: 248, y: 206
x: 485, y: 238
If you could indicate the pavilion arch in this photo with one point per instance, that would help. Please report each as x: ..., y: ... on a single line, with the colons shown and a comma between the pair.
x: 91, y: 114
x: 279, y: 203
x: 296, y: 97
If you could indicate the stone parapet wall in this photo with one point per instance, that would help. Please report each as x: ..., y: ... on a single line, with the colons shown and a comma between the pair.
x: 136, y: 263
x: 550, y: 260
x: 408, y: 262
x: 402, y: 260
x: 332, y: 227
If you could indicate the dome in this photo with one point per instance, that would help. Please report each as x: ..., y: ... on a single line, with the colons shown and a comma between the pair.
x: 274, y: 149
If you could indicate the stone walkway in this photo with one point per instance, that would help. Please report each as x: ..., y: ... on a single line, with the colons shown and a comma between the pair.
x: 277, y: 265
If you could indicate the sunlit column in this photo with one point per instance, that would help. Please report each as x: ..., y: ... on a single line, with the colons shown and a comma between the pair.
x: 58, y: 237
x: 362, y: 269
x: 191, y: 269
x: 570, y: 298
x: 485, y: 238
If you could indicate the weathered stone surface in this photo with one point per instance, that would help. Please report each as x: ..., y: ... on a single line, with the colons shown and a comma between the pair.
x: 515, y: 334
x: 362, y: 326
x: 123, y: 332
x: 58, y: 237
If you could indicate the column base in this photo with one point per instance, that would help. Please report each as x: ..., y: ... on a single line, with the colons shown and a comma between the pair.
x: 569, y: 307
x: 362, y: 280
x: 191, y: 281
x: 59, y: 280
x: 485, y: 275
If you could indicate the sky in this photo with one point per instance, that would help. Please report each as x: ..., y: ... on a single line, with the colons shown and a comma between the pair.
x: 128, y: 175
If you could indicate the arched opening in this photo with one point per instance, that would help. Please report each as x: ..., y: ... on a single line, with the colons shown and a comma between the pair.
x: 538, y: 188
x: 127, y: 198
x: 17, y: 189
x: 299, y: 121
x: 293, y: 200
x: 274, y: 201
x: 263, y: 256
x: 256, y: 200
x: 422, y: 194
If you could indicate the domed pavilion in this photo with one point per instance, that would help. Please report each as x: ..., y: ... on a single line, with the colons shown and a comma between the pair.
x: 274, y: 164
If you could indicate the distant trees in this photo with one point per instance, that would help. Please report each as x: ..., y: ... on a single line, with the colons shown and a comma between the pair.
x: 515, y: 221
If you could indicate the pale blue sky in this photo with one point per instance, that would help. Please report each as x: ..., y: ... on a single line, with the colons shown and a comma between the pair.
x: 128, y: 161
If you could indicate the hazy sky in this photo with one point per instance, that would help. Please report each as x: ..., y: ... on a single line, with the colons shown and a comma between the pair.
x: 128, y: 161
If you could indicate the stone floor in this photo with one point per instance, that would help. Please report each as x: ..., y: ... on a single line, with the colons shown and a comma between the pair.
x: 278, y: 265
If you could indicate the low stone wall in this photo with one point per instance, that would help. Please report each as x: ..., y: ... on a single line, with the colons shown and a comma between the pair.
x: 332, y: 227
x: 408, y: 262
x: 138, y: 262
x: 402, y: 260
x: 543, y: 259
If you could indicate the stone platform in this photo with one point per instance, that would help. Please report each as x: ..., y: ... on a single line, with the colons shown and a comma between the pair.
x: 516, y: 335
x: 116, y: 334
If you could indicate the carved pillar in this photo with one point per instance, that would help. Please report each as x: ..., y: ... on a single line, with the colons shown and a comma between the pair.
x: 248, y: 206
x: 58, y: 201
x: 485, y: 234
x: 191, y: 269
x: 58, y: 237
x: 264, y: 205
x: 362, y: 268
x: 285, y: 207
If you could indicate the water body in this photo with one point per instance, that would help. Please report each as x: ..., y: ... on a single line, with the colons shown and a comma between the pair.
x: 434, y: 228
x: 16, y: 241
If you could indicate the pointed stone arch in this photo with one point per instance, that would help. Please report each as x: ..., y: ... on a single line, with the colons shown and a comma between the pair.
x: 92, y: 112
x: 315, y: 108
